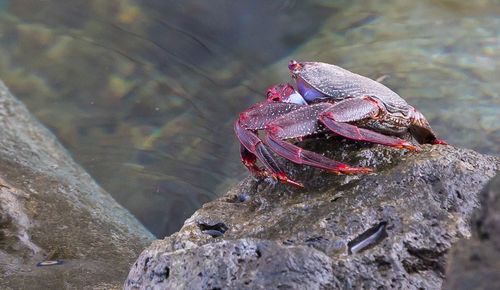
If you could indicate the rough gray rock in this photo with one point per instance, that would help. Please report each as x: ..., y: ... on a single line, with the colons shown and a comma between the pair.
x: 51, y: 209
x: 475, y: 263
x: 387, y: 230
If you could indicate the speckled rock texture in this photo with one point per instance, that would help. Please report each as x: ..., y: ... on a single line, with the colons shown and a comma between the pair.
x: 475, y: 263
x: 388, y: 230
x: 51, y: 209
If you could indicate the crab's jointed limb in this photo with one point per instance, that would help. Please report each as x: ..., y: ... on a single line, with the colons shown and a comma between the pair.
x: 337, y: 116
x: 252, y: 147
x: 322, y: 82
x: 329, y: 99
x: 300, y: 123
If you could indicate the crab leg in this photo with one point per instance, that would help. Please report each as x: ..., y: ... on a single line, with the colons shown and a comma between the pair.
x: 302, y: 156
x: 421, y: 130
x: 252, y: 148
x: 258, y: 116
x: 250, y: 161
x: 255, y: 148
x: 299, y: 123
x: 356, y: 109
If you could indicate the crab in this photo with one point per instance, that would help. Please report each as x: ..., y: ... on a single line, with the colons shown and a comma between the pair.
x: 328, y: 99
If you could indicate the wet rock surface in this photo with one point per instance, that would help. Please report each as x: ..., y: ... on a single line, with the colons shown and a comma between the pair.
x: 52, y: 210
x: 475, y: 263
x: 387, y: 230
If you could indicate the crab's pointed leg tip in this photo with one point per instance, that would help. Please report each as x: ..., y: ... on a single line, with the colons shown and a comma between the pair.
x: 292, y: 182
x: 409, y: 146
x: 364, y: 170
x: 439, y: 142
x: 414, y: 148
x: 356, y: 170
x: 296, y: 184
x: 281, y: 177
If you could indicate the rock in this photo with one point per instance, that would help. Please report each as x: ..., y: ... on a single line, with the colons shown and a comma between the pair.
x: 390, y: 229
x: 475, y: 263
x: 52, y: 210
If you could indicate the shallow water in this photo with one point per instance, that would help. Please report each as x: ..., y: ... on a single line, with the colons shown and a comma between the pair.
x: 144, y: 93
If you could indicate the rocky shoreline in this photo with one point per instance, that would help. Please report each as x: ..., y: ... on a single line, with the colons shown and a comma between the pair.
x: 420, y: 221
x: 52, y: 210
x: 387, y: 230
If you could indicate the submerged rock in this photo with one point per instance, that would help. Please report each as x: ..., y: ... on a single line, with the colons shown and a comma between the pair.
x: 390, y: 229
x: 58, y: 228
x: 475, y: 263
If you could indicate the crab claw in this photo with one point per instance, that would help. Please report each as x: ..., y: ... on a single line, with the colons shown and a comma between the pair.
x: 284, y: 93
x: 279, y: 92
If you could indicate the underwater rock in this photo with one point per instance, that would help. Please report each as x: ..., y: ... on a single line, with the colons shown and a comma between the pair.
x: 388, y: 230
x: 58, y: 228
x: 474, y: 263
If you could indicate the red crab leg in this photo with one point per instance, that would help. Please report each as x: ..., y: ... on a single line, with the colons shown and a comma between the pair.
x: 302, y: 156
x: 258, y: 116
x: 439, y: 142
x: 250, y: 161
x: 255, y: 147
x: 354, y: 110
x: 299, y: 123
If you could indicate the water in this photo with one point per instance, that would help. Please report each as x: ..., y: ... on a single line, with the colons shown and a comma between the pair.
x: 144, y: 93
